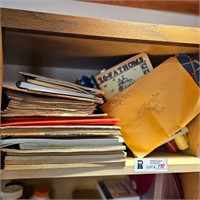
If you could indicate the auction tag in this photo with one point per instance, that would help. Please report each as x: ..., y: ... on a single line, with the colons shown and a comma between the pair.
x: 151, y: 165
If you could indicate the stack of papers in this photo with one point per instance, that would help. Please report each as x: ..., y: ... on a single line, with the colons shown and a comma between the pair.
x: 51, y: 123
x: 71, y: 151
x: 42, y: 96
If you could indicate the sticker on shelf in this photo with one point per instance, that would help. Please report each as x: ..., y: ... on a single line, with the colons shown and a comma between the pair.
x: 151, y: 165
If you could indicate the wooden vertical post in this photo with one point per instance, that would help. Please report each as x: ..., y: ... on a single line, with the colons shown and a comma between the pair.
x: 1, y: 65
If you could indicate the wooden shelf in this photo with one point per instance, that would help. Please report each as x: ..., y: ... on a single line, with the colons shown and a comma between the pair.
x: 177, y: 163
x: 187, y: 6
x: 78, y: 36
x: 45, y: 42
x: 93, y: 28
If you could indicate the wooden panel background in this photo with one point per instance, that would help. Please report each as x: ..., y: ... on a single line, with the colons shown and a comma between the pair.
x: 1, y: 63
x: 181, y: 6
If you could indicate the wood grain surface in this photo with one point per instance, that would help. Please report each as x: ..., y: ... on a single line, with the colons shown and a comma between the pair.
x: 99, y: 28
x: 181, y: 6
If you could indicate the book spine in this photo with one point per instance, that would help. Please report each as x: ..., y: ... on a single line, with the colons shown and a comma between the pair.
x: 103, y: 190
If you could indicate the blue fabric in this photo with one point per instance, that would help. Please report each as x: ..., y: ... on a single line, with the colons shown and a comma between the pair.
x: 191, y: 65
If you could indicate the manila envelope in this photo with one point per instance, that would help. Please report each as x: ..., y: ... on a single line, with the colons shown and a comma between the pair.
x: 155, y: 107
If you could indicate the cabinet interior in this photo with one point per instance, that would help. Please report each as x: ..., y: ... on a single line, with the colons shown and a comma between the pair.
x: 68, y: 56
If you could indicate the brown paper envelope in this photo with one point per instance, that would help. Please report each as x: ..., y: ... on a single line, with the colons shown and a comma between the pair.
x: 194, y: 137
x: 155, y: 107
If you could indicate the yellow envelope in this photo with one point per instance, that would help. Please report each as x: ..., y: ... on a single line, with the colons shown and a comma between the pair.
x: 155, y: 107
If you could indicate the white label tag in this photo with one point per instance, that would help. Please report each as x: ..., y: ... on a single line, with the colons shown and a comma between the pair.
x: 151, y: 165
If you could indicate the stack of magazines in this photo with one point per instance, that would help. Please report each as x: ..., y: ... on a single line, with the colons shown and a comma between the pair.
x: 50, y: 123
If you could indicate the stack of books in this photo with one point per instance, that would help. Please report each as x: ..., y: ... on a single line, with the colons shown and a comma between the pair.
x: 43, y: 96
x: 42, y: 153
x: 50, y: 123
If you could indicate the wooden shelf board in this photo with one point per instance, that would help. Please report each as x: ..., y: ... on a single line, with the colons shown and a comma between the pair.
x: 178, y: 163
x: 186, y: 6
x: 93, y: 28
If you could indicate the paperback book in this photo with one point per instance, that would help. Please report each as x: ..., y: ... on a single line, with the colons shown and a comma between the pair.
x: 117, y: 78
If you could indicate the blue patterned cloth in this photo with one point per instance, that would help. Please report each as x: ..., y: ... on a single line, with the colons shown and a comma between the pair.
x: 191, y: 65
x: 87, y: 81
